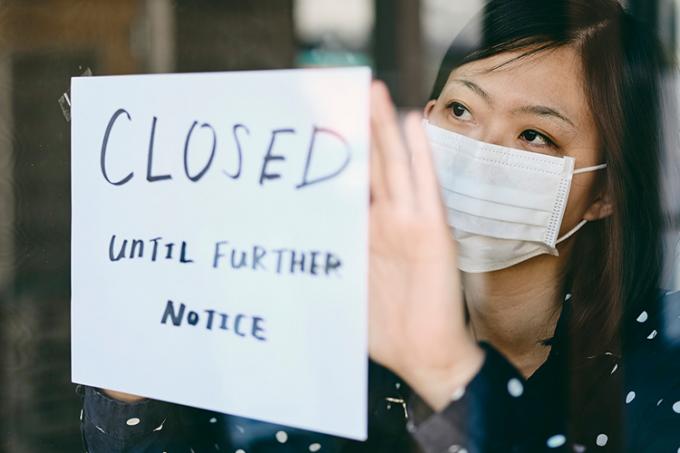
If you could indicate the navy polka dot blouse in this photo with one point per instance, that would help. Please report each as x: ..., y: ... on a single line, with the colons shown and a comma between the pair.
x: 599, y: 403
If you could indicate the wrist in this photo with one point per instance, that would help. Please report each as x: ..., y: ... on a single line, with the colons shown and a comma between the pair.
x: 438, y: 385
x: 120, y: 396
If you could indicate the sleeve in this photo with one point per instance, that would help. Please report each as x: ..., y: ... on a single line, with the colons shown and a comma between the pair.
x: 488, y: 415
x: 112, y: 426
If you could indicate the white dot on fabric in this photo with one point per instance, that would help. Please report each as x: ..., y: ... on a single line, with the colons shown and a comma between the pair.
x: 458, y: 394
x: 556, y: 441
x: 578, y: 448
x: 515, y: 387
x: 614, y: 369
x: 217, y: 447
x: 658, y: 403
x: 240, y: 450
x: 314, y: 447
x: 282, y: 436
x: 213, y: 420
x: 567, y: 297
x: 630, y: 397
x: 676, y: 407
x: 100, y: 429
x: 397, y: 385
x: 132, y: 421
x: 642, y: 317
x: 601, y: 440
x: 455, y: 448
x: 240, y: 429
x: 651, y: 335
x: 81, y: 415
x: 410, y: 426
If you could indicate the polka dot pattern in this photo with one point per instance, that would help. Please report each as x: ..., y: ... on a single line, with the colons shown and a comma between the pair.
x: 601, y: 440
x: 556, y: 441
x: 515, y: 387
x: 456, y: 449
x: 639, y: 397
x: 281, y: 437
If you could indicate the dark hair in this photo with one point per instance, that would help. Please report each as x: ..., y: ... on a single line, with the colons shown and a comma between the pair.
x: 623, y: 64
x: 616, y: 264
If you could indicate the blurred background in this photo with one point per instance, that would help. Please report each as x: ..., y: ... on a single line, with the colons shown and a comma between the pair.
x: 45, y: 42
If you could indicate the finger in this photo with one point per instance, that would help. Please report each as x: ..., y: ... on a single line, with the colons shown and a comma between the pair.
x: 392, y: 153
x: 425, y: 178
x: 377, y: 181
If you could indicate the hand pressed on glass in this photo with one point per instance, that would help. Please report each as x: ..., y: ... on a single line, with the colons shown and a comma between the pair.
x: 416, y: 318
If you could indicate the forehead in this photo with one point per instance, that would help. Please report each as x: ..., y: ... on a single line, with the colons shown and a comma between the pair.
x: 551, y: 77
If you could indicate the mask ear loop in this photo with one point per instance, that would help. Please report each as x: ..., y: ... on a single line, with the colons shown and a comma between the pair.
x: 571, y: 232
x: 587, y: 169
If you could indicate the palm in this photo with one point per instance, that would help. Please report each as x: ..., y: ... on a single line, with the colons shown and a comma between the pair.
x: 416, y: 310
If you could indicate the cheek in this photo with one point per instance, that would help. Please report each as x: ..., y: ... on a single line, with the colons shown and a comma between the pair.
x: 579, y: 201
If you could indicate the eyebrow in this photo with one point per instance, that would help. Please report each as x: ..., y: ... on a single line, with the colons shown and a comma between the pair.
x: 540, y: 110
x: 476, y: 88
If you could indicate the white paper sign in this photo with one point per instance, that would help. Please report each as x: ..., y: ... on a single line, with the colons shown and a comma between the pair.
x: 219, y: 242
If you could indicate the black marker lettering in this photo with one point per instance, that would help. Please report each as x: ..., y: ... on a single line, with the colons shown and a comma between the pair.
x: 149, y: 159
x: 238, y: 150
x: 317, y: 130
x: 200, y: 174
x: 137, y: 243
x: 154, y: 248
x: 183, y: 254
x: 257, y: 328
x: 269, y: 156
x: 176, y: 319
x: 121, y: 252
x: 241, y: 262
x: 210, y: 319
x: 237, y: 324
x: 258, y: 254
x: 105, y: 144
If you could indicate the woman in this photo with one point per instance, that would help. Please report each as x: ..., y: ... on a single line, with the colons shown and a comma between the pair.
x: 545, y: 128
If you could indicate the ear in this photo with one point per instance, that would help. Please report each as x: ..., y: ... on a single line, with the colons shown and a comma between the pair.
x: 600, y: 208
x: 428, y: 108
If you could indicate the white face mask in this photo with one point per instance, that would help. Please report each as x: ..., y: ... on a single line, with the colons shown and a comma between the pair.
x: 504, y: 205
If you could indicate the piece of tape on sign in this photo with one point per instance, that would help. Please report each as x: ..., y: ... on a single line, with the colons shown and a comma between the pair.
x: 65, y: 99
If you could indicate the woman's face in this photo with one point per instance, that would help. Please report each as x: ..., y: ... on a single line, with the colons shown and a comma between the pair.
x: 537, y: 104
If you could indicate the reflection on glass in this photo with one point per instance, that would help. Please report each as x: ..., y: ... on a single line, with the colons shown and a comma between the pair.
x: 592, y: 334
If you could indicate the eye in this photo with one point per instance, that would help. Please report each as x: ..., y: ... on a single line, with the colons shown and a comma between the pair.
x: 536, y: 138
x: 459, y: 111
